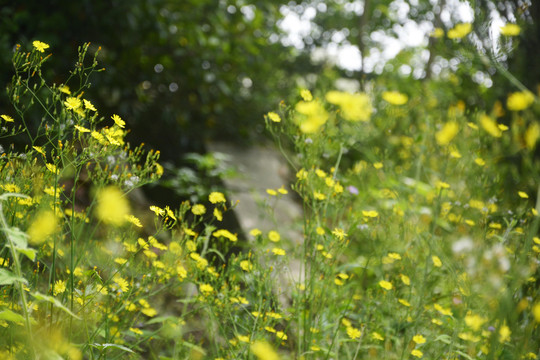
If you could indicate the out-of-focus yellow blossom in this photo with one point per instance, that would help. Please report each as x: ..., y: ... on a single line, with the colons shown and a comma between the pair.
x: 274, y: 117
x: 490, y: 126
x: 306, y: 95
x: 43, y: 226
x: 447, y: 133
x: 112, y: 207
x: 395, y: 97
x: 531, y: 135
x: 459, y: 31
x: 510, y: 30
x: 437, y: 33
x: 386, y: 285
x: 264, y: 351
x: 312, y: 116
x: 354, y: 107
x: 274, y: 236
x: 520, y: 100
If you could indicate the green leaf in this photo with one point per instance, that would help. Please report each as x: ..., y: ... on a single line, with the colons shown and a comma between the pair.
x: 41, y: 297
x: 28, y: 252
x: 160, y: 319
x: 466, y: 356
x: 19, y: 237
x: 11, y: 316
x: 8, y: 278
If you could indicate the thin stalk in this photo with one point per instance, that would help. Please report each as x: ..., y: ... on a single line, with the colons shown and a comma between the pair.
x: 19, y: 274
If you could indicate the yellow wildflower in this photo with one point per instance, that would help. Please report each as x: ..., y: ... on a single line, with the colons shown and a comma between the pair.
x: 395, y: 97
x: 88, y: 105
x: 490, y: 126
x: 447, y: 133
x: 417, y: 353
x: 216, y: 197
x: 118, y: 121
x: 436, y: 261
x: 519, y: 100
x: 72, y: 103
x: 459, y: 31
x: 7, y: 118
x: 112, y: 207
x: 353, y: 332
x: 306, y: 95
x: 59, y: 287
x: 510, y: 30
x: 531, y: 135
x: 274, y: 117
x: 40, y: 46
x: 354, y: 107
x: 198, y: 209
x: 386, y: 285
x: 43, y: 226
x: 419, y: 339
x: 274, y: 236
x: 263, y: 351
x: 278, y: 251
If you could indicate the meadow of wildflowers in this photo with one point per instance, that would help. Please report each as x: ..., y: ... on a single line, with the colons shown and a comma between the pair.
x: 419, y: 235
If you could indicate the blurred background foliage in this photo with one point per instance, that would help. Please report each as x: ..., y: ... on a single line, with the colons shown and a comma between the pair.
x: 185, y: 72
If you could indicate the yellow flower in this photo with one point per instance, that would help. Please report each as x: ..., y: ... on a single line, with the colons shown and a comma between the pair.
x: 81, y: 129
x: 436, y: 261
x: 523, y: 195
x: 43, y: 226
x: 519, y: 100
x: 226, y: 234
x: 206, y: 289
x: 339, y: 233
x: 118, y: 121
x: 319, y: 196
x: 353, y: 333
x: 263, y: 351
x: 306, y: 95
x: 405, y: 279
x: 64, y: 89
x: 404, y: 302
x: 72, y: 103
x: 271, y: 192
x: 510, y: 30
x: 136, y: 331
x: 378, y: 165
x: 395, y: 97
x: 437, y: 33
x: 442, y: 310
x: 123, y: 285
x: 255, y: 232
x: 419, y: 339
x: 447, y: 133
x: 112, y: 207
x: 490, y: 126
x: 376, y: 336
x: 312, y: 116
x: 531, y: 135
x: 274, y: 117
x: 246, y: 265
x: 281, y: 335
x: 536, y: 312
x: 479, y: 161
x: 282, y: 190
x: 475, y: 322
x: 386, y: 285
x: 417, y: 353
x: 278, y: 251
x: 59, y: 287
x: 274, y: 236
x: 7, y: 118
x: 40, y: 46
x: 88, y: 105
x: 504, y: 334
x: 198, y: 209
x: 216, y: 197
x: 134, y: 220
x: 354, y: 107
x: 243, y: 338
x: 459, y: 31
x: 370, y: 213
x: 218, y: 214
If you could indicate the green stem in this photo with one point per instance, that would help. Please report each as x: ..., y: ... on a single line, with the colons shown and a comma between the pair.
x: 19, y: 273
